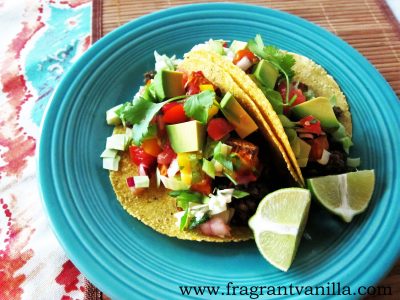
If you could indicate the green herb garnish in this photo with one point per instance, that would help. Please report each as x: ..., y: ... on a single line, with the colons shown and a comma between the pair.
x: 197, y: 106
x: 239, y: 194
x: 183, y: 198
x: 194, y: 222
x: 140, y: 113
x: 282, y: 61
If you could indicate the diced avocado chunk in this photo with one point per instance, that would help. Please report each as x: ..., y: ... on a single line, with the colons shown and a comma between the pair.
x: 238, y: 45
x: 116, y: 142
x: 168, y: 84
x: 320, y: 108
x: 111, y: 163
x: 266, y: 73
x: 186, y: 137
x: 237, y: 116
x: 302, y: 158
x: 112, y: 117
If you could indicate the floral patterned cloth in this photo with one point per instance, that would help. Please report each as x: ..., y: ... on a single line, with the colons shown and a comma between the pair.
x: 39, y: 42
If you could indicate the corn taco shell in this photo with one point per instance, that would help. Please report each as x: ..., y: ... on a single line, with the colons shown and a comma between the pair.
x: 156, y: 208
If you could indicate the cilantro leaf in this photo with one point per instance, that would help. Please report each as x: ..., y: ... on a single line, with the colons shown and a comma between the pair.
x: 194, y: 222
x: 197, y: 106
x: 275, y: 99
x: 239, y: 194
x: 184, y: 197
x: 282, y: 61
x: 184, y: 220
x: 140, y: 113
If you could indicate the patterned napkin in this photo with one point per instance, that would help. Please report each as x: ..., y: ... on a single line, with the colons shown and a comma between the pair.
x: 39, y: 41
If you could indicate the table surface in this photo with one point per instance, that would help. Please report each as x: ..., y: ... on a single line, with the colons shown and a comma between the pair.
x: 41, y: 41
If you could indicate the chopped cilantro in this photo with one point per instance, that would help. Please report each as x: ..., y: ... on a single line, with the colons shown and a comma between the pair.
x: 184, y: 197
x: 280, y: 60
x: 194, y: 222
x: 197, y: 106
x: 140, y: 113
x: 185, y: 220
x: 239, y: 194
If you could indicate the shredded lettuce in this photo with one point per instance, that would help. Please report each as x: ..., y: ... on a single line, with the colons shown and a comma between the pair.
x: 163, y: 62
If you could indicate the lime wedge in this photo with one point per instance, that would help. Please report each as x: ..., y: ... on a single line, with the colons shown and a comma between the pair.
x: 345, y: 195
x: 278, y: 225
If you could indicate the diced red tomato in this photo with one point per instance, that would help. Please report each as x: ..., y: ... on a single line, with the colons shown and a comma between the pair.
x: 318, y: 145
x: 194, y: 80
x: 139, y: 156
x: 166, y: 156
x: 245, y: 177
x: 176, y: 114
x: 300, y: 98
x: 151, y: 147
x: 161, y: 130
x: 242, y: 53
x: 169, y: 106
x: 204, y: 186
x: 218, y: 128
x: 310, y: 125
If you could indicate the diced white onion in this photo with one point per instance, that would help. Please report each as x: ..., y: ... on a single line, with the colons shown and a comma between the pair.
x: 173, y: 168
x: 324, y: 158
x: 244, y: 63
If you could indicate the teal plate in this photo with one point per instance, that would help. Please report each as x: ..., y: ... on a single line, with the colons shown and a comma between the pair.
x: 126, y: 259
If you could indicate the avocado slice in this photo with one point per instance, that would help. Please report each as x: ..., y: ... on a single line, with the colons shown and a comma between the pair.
x: 168, y: 84
x: 302, y: 158
x: 320, y: 108
x: 266, y: 74
x: 186, y: 137
x: 237, y: 116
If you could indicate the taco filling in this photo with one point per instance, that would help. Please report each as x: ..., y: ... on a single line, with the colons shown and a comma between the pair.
x: 195, y: 140
x: 310, y: 114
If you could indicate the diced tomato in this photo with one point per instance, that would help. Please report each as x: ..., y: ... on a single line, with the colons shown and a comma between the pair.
x: 166, y: 156
x: 218, y: 128
x: 242, y: 53
x: 245, y: 177
x: 139, y: 156
x: 318, y: 145
x: 161, y: 130
x: 194, y: 81
x: 310, y: 125
x: 169, y: 106
x: 204, y: 186
x: 300, y: 98
x: 151, y: 147
x: 176, y: 114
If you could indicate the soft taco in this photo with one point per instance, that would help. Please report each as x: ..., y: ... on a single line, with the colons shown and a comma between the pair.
x: 187, y: 156
x: 310, y: 119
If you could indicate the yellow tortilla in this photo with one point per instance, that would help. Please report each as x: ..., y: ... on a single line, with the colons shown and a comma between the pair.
x: 156, y: 208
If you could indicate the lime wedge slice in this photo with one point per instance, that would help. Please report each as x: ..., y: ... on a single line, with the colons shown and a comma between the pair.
x: 345, y: 195
x: 278, y: 225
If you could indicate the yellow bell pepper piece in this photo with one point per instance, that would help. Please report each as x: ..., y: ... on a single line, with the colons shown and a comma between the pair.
x: 206, y: 87
x: 185, y: 167
x: 212, y: 111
